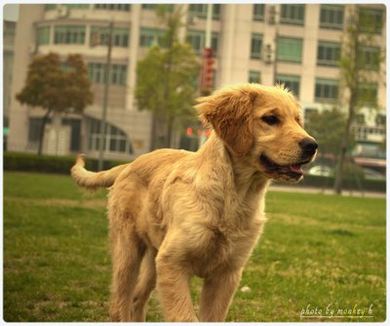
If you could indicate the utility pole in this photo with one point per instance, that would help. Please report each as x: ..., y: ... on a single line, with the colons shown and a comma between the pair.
x: 209, y: 18
x: 103, y: 124
x: 207, y: 71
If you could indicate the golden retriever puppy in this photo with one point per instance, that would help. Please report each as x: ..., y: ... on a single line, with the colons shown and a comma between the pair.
x: 174, y: 214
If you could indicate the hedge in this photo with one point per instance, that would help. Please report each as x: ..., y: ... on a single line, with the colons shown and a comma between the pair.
x: 49, y: 164
x: 348, y: 183
x: 62, y: 164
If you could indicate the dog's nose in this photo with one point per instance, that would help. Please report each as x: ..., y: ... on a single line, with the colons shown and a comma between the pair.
x: 308, y: 145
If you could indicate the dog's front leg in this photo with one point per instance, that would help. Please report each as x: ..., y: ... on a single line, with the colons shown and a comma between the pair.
x: 217, y: 294
x: 173, y: 289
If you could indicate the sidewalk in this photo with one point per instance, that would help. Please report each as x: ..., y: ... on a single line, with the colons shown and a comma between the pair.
x: 286, y: 188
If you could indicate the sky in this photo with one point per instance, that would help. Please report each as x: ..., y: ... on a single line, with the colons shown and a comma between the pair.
x: 11, y: 12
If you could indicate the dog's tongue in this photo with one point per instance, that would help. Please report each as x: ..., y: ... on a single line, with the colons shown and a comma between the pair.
x: 296, y: 168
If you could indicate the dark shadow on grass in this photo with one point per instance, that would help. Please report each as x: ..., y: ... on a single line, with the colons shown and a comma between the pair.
x: 342, y: 232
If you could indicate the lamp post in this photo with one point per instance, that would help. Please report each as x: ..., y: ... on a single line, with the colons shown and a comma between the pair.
x: 207, y: 65
x: 209, y: 18
x: 103, y: 124
x: 207, y: 60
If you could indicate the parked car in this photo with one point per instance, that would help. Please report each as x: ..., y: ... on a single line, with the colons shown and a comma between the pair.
x: 321, y: 170
x: 371, y: 174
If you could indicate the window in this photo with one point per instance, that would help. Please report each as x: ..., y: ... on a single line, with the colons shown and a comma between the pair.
x: 369, y: 57
x: 293, y: 14
x: 115, y: 139
x: 43, y: 35
x: 67, y: 34
x: 380, y: 119
x: 116, y: 6
x: 328, y: 53
x: 75, y: 133
x: 99, y: 36
x: 289, y: 49
x: 34, y: 129
x: 76, y: 5
x: 148, y: 6
x: 332, y: 16
x: 371, y: 20
x: 291, y: 82
x: 96, y: 72
x: 200, y: 10
x: 8, y: 33
x: 118, y: 73
x: 50, y: 6
x: 256, y: 46
x: 121, y: 37
x: 368, y: 93
x: 151, y: 36
x: 254, y: 76
x: 258, y: 12
x: 326, y: 89
x: 360, y: 119
x: 197, y: 40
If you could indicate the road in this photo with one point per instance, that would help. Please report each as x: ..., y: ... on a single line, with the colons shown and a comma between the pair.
x: 286, y: 188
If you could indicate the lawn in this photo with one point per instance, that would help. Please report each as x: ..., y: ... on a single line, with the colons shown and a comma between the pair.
x: 318, y: 254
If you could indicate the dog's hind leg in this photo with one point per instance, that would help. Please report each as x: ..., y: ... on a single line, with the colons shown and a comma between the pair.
x: 145, y: 284
x: 127, y: 252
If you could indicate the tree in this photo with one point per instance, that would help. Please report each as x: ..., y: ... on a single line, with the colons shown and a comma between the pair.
x: 327, y: 127
x: 355, y: 74
x: 166, y: 79
x: 56, y: 87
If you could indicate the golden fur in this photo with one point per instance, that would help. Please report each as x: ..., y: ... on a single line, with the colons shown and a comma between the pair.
x: 174, y: 214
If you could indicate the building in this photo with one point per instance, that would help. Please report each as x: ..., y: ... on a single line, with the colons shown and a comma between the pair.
x: 296, y: 44
x: 8, y: 59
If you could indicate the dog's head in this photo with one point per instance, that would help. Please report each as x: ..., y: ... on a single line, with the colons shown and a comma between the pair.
x: 263, y: 124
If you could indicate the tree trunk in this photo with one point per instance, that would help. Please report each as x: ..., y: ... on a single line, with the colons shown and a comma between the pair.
x: 168, y: 120
x: 83, y: 134
x: 338, y: 183
x: 352, y: 85
x: 339, y: 169
x: 42, y: 131
x: 169, y: 132
x: 153, y: 133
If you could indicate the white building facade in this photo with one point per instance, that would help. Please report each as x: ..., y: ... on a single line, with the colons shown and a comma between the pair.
x: 296, y: 44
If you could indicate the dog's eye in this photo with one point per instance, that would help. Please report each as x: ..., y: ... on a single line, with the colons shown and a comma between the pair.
x: 270, y: 119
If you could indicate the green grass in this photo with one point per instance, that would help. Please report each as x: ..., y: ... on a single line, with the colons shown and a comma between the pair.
x: 316, y: 250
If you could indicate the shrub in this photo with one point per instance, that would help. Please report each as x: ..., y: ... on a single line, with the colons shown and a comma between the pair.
x: 49, y: 164
x: 62, y: 164
x: 349, y: 183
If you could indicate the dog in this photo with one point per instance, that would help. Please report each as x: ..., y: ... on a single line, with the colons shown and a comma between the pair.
x: 174, y: 213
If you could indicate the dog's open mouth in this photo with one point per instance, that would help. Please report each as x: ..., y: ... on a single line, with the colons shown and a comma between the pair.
x: 293, y: 170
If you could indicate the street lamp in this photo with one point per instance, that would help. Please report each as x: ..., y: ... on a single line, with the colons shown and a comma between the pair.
x: 107, y: 70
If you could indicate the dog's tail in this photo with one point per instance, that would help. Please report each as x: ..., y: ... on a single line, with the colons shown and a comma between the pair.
x: 93, y: 180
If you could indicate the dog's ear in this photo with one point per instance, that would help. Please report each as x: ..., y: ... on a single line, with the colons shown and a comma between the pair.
x: 230, y: 113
